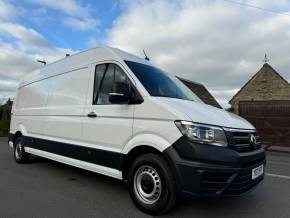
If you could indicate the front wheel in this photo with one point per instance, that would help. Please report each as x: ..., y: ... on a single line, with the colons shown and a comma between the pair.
x: 151, y: 184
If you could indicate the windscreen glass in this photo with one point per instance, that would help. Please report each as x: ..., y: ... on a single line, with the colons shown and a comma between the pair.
x: 161, y: 84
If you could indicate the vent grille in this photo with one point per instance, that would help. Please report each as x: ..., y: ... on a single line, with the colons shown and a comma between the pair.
x: 242, y: 183
x: 213, y: 182
x: 240, y: 140
x: 228, y: 183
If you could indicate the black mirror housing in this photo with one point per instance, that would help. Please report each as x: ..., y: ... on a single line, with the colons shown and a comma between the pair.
x: 120, y: 93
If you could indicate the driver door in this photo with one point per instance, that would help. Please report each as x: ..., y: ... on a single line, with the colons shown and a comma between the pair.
x: 107, y: 127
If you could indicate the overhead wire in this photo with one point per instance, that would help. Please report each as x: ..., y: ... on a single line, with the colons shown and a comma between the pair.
x: 256, y: 7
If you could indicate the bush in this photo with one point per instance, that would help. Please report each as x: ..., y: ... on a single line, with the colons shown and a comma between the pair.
x: 231, y: 109
x: 1, y: 112
x: 4, y: 123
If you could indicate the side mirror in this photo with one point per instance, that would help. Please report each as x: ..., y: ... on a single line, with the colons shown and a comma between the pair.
x: 120, y: 93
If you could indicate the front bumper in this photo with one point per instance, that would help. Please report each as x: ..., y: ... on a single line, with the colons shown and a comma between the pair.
x: 204, y: 170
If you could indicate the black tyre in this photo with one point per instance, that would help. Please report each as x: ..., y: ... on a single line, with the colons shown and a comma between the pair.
x: 19, y: 152
x: 151, y: 184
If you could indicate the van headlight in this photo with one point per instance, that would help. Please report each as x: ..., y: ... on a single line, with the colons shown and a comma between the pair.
x: 202, y: 133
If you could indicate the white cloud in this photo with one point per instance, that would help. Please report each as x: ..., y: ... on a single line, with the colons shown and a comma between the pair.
x: 69, y: 7
x: 78, y: 17
x: 27, y: 39
x: 213, y: 42
x: 81, y: 24
x: 7, y: 11
x: 18, y: 56
x: 20, y: 47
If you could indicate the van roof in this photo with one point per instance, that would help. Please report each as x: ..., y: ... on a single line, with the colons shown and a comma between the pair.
x: 80, y: 60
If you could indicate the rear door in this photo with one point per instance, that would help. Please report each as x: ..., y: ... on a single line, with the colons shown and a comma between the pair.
x: 111, y: 127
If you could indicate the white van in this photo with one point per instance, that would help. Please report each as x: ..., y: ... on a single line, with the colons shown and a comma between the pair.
x: 110, y: 112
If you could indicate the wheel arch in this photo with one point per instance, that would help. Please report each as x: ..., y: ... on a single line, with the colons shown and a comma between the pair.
x: 170, y: 156
x: 140, y: 150
x: 142, y: 143
x: 17, y: 134
x: 19, y: 131
x: 133, y: 154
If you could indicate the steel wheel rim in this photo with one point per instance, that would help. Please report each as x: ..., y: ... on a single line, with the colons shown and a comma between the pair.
x: 18, y: 150
x: 147, y: 184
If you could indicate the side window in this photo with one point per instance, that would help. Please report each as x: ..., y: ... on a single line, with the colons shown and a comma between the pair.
x: 120, y: 76
x: 113, y: 73
x: 99, y: 73
x: 106, y: 86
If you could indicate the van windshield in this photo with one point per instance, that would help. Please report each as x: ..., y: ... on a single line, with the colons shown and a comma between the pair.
x: 159, y: 83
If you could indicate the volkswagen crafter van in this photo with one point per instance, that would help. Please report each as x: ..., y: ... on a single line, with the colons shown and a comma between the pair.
x: 110, y: 112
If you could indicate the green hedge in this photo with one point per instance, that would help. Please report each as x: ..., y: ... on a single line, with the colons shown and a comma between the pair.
x: 4, y: 123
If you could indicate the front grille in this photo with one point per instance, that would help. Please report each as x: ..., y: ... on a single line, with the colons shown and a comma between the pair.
x: 239, y: 140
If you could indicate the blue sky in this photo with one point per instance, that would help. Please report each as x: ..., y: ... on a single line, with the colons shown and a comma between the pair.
x: 219, y: 43
x: 48, y: 21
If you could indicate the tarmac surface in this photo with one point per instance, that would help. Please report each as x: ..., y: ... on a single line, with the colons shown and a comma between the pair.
x: 44, y: 188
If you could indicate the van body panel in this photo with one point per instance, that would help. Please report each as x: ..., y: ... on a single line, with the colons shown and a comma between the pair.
x: 111, y: 129
x: 147, y: 138
x: 15, y: 126
x: 202, y: 113
x: 29, y: 124
x: 154, y: 109
x: 67, y: 90
x: 67, y: 64
x: 65, y: 104
x: 154, y: 125
x: 29, y: 108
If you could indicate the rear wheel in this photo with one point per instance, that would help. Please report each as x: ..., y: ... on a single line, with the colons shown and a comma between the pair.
x: 151, y: 184
x: 20, y: 155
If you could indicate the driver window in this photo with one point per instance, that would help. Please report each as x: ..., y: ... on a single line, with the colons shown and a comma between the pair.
x: 112, y: 74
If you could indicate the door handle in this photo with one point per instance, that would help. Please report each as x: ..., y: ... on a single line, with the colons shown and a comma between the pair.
x: 92, y: 114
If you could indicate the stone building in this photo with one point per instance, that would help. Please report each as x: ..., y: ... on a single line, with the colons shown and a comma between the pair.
x: 201, y: 91
x: 265, y: 101
x: 265, y: 85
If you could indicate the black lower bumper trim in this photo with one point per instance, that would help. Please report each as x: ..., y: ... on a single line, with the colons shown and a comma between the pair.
x: 211, y: 181
x: 207, y: 171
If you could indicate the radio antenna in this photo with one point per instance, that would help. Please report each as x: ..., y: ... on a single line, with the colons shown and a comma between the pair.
x: 146, y: 57
x: 43, y: 62
x: 266, y: 60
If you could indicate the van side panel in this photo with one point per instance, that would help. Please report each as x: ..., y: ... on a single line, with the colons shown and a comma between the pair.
x: 153, y: 126
x: 28, y: 112
x: 32, y: 97
x: 65, y: 105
